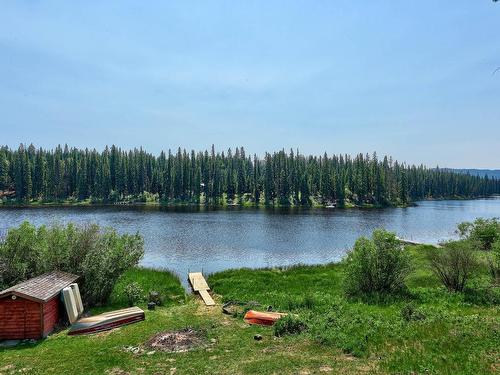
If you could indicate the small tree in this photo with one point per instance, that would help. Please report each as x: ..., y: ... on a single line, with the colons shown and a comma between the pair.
x: 484, y: 232
x: 453, y: 265
x: 377, y: 265
x: 289, y: 325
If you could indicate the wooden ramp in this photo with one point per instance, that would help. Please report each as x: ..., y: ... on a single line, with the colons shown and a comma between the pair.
x: 405, y: 241
x: 200, y: 285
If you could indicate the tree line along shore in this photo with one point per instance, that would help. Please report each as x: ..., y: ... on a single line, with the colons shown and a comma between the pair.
x: 67, y: 175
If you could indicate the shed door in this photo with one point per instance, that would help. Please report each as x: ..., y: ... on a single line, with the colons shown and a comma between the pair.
x: 2, y: 318
x: 19, y: 319
x: 12, y: 318
x: 32, y: 319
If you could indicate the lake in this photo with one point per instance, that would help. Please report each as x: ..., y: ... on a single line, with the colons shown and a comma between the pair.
x: 183, y: 239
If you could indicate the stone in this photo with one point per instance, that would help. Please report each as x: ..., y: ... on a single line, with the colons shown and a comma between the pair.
x: 9, y: 343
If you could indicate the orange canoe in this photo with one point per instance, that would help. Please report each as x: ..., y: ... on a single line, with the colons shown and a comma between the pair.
x: 262, y: 318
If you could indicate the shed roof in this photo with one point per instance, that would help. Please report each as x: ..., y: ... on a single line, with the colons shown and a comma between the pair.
x: 41, y: 288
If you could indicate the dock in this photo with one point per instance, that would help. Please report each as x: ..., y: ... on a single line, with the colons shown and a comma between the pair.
x: 200, y: 285
x: 405, y: 241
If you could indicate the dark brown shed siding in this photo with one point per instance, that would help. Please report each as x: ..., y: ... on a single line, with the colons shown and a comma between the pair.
x: 50, y: 315
x: 20, y: 319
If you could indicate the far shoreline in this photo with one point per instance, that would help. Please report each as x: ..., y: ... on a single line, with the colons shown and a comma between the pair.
x: 215, y: 207
x: 201, y: 206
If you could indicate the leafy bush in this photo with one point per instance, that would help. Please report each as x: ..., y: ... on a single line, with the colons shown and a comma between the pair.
x: 480, y: 291
x: 376, y: 266
x: 453, y: 265
x: 134, y: 293
x: 484, y: 232
x: 289, y: 325
x: 411, y: 312
x: 98, y: 256
x: 494, y: 262
x: 155, y: 297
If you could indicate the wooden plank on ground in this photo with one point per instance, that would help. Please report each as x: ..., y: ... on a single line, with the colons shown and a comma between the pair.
x: 200, y: 285
x: 207, y: 298
x: 197, y: 281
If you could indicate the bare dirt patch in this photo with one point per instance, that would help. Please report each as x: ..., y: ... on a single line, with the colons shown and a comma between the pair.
x: 325, y: 368
x: 8, y: 368
x: 116, y: 371
x: 177, y: 341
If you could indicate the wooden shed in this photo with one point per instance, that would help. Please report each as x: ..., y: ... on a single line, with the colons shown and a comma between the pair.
x: 31, y: 309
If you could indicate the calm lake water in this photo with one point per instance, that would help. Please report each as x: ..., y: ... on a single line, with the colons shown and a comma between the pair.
x: 190, y: 240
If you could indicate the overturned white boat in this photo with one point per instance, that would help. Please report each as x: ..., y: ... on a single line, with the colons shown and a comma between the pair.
x: 106, y: 321
x: 97, y: 323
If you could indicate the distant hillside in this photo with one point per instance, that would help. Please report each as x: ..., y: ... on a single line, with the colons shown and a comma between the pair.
x: 479, y: 172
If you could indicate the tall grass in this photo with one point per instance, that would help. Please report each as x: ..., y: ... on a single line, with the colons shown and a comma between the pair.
x: 164, y: 282
x: 425, y: 330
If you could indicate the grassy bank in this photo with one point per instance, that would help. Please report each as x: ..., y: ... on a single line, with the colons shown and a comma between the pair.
x: 163, y: 282
x: 449, y: 333
x: 428, y: 331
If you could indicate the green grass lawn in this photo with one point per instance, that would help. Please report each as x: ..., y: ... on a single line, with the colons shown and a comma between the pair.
x: 456, y: 336
x: 342, y: 336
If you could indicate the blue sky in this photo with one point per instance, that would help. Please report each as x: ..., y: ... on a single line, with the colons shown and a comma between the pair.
x: 412, y: 79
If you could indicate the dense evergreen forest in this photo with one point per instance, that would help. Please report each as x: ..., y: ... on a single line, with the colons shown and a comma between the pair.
x: 30, y: 175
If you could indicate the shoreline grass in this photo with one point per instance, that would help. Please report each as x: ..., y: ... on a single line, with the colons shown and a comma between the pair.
x: 164, y: 282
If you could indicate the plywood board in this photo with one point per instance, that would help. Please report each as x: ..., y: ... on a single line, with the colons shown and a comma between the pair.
x: 207, y: 298
x: 197, y: 281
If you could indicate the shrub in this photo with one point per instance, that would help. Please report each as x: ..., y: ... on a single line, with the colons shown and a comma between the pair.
x: 134, y: 293
x: 480, y: 291
x: 494, y: 262
x: 411, y: 312
x: 376, y: 266
x: 308, y: 302
x: 484, y: 232
x: 289, y: 325
x: 98, y: 256
x: 453, y: 265
x: 155, y: 297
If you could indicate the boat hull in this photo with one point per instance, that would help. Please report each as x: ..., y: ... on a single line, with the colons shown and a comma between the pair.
x: 107, y: 321
x: 262, y: 318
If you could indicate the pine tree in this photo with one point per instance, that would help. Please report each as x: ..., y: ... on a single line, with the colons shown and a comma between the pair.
x: 105, y: 175
x: 230, y: 180
x: 82, y: 179
x: 4, y: 172
x: 28, y: 186
x: 279, y: 178
x: 268, y: 180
